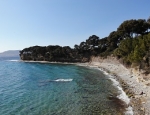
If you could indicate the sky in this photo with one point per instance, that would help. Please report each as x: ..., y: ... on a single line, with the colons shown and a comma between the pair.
x: 25, y: 23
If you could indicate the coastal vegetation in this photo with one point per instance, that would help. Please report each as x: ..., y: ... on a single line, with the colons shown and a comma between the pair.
x: 129, y: 43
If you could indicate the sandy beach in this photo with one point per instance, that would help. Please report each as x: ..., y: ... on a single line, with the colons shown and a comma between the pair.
x: 132, y: 81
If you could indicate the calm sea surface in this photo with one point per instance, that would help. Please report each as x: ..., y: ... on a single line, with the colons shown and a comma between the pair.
x: 54, y: 89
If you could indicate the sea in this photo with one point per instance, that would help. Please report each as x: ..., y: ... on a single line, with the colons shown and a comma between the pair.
x: 28, y: 88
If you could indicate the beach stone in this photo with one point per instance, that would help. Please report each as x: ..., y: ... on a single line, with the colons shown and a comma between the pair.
x: 142, y: 109
x: 148, y: 84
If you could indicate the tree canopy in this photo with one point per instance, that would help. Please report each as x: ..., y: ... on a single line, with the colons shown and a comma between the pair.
x: 131, y: 42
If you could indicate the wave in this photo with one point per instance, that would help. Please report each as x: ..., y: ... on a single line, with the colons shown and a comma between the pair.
x: 43, y: 83
x: 57, y: 80
x: 62, y: 80
x: 14, y: 60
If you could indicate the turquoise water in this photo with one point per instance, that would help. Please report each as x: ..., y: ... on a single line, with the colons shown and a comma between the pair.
x: 55, y: 89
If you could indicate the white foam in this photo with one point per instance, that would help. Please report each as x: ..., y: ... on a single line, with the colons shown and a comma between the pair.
x: 122, y: 94
x: 14, y: 60
x: 129, y: 111
x: 63, y: 80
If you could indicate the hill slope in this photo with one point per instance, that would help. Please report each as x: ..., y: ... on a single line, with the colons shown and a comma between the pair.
x: 10, y: 53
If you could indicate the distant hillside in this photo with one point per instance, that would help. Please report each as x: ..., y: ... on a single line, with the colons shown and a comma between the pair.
x: 10, y: 53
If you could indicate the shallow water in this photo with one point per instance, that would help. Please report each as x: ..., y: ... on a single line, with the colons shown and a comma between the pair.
x: 55, y: 89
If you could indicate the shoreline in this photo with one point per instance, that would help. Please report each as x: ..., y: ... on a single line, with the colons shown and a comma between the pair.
x: 131, y: 82
x: 116, y: 82
x: 122, y: 96
x: 137, y: 91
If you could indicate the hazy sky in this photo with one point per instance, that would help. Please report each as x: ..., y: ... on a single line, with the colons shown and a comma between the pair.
x: 25, y: 23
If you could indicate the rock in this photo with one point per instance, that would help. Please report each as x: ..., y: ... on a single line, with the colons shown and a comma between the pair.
x: 142, y: 109
x: 148, y: 84
x: 142, y: 93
